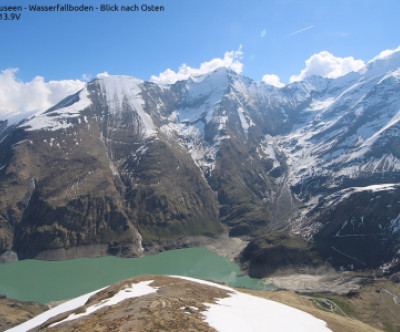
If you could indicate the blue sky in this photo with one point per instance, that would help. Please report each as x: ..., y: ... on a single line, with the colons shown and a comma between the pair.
x: 62, y: 46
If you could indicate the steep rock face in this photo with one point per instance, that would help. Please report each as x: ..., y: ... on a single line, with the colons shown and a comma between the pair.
x: 128, y: 164
x: 363, y: 228
x: 344, y: 167
x: 92, y: 171
x: 66, y: 195
x: 162, y: 190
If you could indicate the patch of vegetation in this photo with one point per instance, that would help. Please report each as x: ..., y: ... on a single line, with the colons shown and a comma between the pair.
x: 374, y: 304
x: 270, y: 252
x: 175, y: 230
x: 340, y: 301
x: 14, y: 312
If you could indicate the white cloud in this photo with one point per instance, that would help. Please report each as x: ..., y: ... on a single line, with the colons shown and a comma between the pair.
x: 272, y: 79
x: 327, y: 65
x: 102, y: 75
x: 263, y: 33
x: 384, y: 54
x: 86, y: 77
x: 231, y: 60
x: 18, y: 98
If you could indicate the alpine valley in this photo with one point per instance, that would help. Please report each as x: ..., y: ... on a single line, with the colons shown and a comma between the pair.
x: 307, y: 174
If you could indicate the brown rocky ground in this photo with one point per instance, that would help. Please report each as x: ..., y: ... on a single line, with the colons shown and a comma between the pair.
x: 178, y: 306
x: 14, y: 312
x: 362, y: 296
x: 335, y: 321
x: 376, y: 303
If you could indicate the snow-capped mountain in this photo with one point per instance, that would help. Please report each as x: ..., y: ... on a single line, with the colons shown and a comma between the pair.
x: 126, y: 166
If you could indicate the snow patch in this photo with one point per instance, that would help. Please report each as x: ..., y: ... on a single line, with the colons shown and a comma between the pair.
x: 43, y: 317
x: 191, y: 138
x: 318, y: 105
x: 201, y: 96
x: 136, y: 290
x: 124, y: 89
x: 59, y: 118
x: 244, y: 312
x: 267, y: 148
x: 245, y: 120
x: 367, y: 144
x: 395, y: 224
x: 341, y: 195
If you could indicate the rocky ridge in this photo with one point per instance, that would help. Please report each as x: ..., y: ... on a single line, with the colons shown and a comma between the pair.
x: 171, y: 303
x: 307, y: 173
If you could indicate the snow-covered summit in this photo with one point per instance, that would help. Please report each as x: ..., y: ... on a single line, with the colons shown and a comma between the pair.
x: 61, y: 115
x: 387, y: 61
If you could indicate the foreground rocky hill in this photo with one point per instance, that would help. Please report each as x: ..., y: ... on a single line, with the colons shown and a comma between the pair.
x: 308, y: 173
x: 161, y: 303
x: 14, y: 312
x: 375, y: 303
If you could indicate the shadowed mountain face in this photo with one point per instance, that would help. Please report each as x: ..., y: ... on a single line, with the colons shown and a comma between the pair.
x: 127, y: 166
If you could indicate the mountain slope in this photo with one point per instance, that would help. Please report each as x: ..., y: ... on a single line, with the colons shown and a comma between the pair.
x: 161, y: 303
x: 126, y: 166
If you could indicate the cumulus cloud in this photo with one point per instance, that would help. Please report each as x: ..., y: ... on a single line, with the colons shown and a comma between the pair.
x: 230, y: 60
x: 272, y: 79
x: 384, y: 54
x: 327, y: 65
x: 18, y: 98
x: 102, y: 75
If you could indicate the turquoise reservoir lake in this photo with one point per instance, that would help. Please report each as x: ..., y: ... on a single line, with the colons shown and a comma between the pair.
x: 44, y: 281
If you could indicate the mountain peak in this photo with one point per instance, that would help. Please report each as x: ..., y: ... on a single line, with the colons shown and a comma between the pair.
x: 221, y: 73
x: 386, y: 61
x: 259, y: 147
x: 107, y: 77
